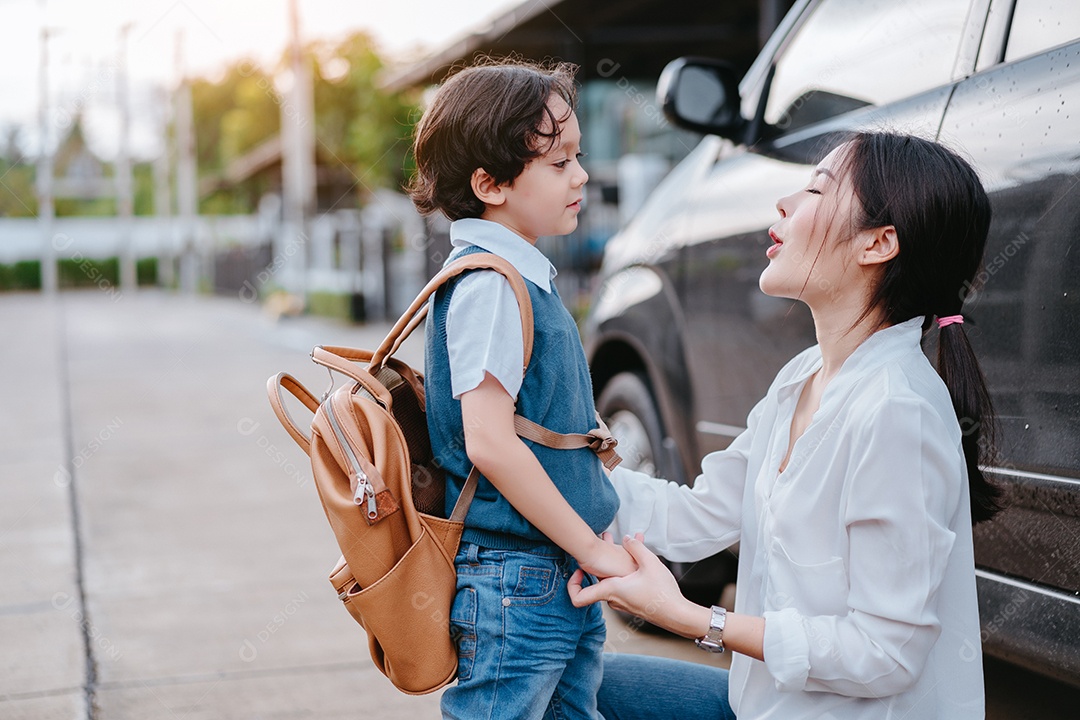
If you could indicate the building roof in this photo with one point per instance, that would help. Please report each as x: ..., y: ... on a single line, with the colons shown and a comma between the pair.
x: 606, y: 38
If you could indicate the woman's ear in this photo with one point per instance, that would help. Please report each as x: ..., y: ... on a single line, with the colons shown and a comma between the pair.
x: 880, y: 245
x: 485, y: 188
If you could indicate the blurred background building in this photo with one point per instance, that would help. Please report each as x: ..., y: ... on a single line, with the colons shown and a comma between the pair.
x: 285, y: 182
x: 620, y: 49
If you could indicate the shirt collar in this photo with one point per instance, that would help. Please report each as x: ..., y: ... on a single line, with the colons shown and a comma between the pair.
x: 884, y: 345
x: 500, y: 240
x: 878, y: 349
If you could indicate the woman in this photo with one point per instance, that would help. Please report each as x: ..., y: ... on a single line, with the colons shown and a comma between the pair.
x: 853, y: 489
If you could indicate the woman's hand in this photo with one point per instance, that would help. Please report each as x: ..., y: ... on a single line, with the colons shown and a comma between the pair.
x: 651, y: 592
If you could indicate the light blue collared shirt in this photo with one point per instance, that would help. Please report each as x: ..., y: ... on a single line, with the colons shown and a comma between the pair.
x: 483, y: 322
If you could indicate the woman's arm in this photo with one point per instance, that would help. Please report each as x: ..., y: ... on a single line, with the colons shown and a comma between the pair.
x: 904, y: 490
x: 688, y: 523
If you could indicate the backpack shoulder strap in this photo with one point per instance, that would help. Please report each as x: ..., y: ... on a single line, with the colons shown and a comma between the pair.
x: 418, y: 309
x: 599, y: 439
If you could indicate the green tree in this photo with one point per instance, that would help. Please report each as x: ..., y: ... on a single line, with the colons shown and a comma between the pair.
x: 369, y: 128
x: 232, y: 116
x: 362, y: 131
x: 17, y: 195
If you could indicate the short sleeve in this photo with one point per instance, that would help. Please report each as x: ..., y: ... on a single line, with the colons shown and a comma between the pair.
x: 483, y: 334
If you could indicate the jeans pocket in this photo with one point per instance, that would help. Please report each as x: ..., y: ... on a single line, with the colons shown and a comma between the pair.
x: 463, y: 630
x: 532, y: 586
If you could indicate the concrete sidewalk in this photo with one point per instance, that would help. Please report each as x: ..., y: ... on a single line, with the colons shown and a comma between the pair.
x: 162, y: 548
x: 197, y: 547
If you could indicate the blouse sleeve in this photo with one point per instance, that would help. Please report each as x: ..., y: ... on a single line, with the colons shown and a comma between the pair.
x: 684, y: 523
x: 902, y: 491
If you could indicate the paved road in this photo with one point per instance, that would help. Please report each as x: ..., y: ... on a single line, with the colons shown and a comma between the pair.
x: 161, y: 544
x: 162, y: 550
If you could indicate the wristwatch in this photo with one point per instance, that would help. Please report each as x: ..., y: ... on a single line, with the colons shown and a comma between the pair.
x: 713, y: 641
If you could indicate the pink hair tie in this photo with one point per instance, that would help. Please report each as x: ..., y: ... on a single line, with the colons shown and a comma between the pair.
x: 958, y: 319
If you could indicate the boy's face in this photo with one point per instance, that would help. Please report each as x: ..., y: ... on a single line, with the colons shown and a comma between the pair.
x: 546, y: 197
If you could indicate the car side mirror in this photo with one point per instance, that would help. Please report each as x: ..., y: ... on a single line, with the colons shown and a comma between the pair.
x: 702, y: 95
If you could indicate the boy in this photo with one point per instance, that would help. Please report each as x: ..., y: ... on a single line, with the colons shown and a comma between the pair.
x: 498, y: 152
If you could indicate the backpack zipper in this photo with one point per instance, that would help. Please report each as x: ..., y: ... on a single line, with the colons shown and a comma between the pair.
x: 364, y: 488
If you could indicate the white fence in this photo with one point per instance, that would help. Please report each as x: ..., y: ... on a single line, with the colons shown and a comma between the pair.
x: 101, y: 237
x: 379, y: 252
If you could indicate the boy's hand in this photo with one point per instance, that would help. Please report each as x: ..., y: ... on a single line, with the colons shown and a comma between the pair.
x: 650, y: 593
x: 606, y: 559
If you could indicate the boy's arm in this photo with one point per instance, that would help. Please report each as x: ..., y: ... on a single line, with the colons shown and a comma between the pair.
x: 497, y: 451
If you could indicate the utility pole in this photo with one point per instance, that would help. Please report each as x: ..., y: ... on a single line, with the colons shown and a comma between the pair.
x: 163, y: 197
x: 46, y: 211
x: 297, y: 157
x: 186, y: 191
x: 123, y: 180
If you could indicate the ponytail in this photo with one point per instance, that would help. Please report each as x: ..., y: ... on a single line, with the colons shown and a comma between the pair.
x: 974, y: 411
x: 941, y: 213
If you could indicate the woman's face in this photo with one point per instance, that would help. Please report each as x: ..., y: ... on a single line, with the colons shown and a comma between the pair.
x: 811, y: 258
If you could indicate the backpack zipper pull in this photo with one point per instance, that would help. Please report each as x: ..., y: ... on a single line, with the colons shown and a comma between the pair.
x: 364, y: 489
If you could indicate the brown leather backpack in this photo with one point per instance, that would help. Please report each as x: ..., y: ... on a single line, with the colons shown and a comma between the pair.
x: 383, y: 493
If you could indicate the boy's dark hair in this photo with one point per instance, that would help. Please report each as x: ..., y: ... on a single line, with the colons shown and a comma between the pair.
x: 492, y: 116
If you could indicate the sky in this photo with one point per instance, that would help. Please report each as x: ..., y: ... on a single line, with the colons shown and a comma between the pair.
x: 84, y: 45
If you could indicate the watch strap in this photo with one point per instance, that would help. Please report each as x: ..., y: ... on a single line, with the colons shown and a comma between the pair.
x: 713, y: 640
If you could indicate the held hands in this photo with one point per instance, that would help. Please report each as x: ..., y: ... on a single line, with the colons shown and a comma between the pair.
x: 650, y: 592
x: 606, y: 559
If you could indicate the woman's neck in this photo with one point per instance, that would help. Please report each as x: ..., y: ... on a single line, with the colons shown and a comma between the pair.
x: 840, y: 331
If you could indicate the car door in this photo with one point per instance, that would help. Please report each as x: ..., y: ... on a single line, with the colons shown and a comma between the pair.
x: 1019, y: 121
x: 845, y: 64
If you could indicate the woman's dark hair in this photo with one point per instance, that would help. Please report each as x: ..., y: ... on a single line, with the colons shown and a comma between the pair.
x: 941, y: 214
x: 493, y: 115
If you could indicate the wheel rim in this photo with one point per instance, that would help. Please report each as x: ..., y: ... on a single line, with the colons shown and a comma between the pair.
x: 635, y: 447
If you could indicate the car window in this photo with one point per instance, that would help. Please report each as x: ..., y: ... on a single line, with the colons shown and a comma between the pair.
x: 853, y: 53
x: 1042, y: 24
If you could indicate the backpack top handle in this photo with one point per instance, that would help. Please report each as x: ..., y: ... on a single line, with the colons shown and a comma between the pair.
x: 332, y: 360
x: 285, y: 381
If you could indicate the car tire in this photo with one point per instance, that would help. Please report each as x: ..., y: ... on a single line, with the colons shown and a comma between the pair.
x: 627, y: 406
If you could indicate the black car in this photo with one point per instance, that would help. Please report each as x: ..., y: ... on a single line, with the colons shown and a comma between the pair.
x: 682, y: 343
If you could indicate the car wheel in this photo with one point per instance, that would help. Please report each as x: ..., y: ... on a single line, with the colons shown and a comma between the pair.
x: 628, y: 408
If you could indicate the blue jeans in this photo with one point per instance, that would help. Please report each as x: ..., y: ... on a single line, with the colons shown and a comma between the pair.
x: 638, y: 687
x: 523, y: 650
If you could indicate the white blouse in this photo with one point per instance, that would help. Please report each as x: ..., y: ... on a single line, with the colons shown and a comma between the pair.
x: 859, y: 555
